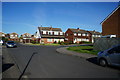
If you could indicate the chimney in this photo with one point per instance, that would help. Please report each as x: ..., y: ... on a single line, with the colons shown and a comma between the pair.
x: 78, y: 28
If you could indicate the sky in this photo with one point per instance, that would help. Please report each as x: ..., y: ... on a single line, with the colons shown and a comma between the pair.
x: 25, y: 17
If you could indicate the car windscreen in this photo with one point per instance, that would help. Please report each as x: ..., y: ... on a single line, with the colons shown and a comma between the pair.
x: 10, y: 42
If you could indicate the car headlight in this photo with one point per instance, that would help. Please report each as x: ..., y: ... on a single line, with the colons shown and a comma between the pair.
x: 9, y: 45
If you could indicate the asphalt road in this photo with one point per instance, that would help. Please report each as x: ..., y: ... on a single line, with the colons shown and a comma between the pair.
x: 50, y: 64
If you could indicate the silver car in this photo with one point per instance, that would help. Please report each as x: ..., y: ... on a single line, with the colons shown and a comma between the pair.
x: 110, y: 57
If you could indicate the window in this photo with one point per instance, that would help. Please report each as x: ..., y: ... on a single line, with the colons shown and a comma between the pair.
x: 87, y: 34
x: 115, y: 50
x: 11, y: 35
x: 49, y: 40
x: 75, y: 34
x: 61, y: 33
x: 66, y: 38
x: 44, y: 32
x: 66, y: 34
x: 79, y: 34
x: 78, y: 39
x: 50, y: 33
x: 83, y: 34
x: 55, y: 33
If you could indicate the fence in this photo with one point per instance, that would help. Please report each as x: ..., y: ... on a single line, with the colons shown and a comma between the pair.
x: 105, y: 43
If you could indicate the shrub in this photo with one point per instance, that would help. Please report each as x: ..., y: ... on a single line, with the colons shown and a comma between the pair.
x: 55, y: 41
x: 62, y: 43
x: 59, y: 42
x: 34, y: 42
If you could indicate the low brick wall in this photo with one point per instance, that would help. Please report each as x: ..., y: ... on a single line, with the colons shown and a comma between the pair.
x: 105, y: 43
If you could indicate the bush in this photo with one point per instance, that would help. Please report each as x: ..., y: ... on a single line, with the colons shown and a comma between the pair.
x: 62, y: 43
x: 59, y: 42
x: 34, y: 42
x: 55, y: 41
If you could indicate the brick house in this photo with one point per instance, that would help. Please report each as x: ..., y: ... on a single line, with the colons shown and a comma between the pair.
x: 111, y: 24
x: 76, y: 35
x: 49, y: 35
x: 94, y: 34
x: 13, y: 36
x: 26, y: 38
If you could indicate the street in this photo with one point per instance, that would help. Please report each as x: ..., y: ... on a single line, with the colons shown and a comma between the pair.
x: 48, y: 63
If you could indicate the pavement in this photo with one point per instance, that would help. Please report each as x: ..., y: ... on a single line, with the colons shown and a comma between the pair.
x: 64, y: 50
x: 9, y: 66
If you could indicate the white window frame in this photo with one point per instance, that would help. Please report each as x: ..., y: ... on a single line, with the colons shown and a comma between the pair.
x: 49, y: 40
x: 75, y: 34
x: 79, y: 34
x: 83, y: 34
x: 56, y: 33
x: 11, y: 35
x: 61, y: 33
x: 44, y: 32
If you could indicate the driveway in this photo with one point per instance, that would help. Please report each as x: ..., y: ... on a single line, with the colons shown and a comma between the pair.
x: 50, y: 64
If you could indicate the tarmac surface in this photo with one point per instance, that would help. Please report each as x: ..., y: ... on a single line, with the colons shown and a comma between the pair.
x: 48, y: 63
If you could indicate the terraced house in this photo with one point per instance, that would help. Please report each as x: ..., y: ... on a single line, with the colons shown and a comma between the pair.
x: 49, y: 35
x: 79, y: 35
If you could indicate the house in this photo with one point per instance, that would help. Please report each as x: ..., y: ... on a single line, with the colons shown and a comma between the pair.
x: 2, y: 34
x: 49, y: 35
x: 94, y: 34
x: 26, y: 38
x: 76, y: 35
x: 13, y: 36
x: 111, y: 24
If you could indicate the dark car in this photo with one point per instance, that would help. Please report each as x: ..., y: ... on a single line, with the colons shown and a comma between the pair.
x: 110, y: 56
x: 11, y: 44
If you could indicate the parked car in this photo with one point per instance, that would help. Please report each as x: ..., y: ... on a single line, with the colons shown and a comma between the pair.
x: 110, y: 56
x: 11, y: 44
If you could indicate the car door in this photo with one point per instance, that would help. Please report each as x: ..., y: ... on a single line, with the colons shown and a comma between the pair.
x: 114, y: 55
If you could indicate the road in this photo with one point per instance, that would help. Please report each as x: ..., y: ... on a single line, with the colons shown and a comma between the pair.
x: 50, y: 64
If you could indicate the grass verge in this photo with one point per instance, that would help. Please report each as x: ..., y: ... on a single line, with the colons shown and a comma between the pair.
x: 52, y: 44
x: 83, y: 49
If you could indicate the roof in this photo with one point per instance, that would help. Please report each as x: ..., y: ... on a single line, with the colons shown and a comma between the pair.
x: 49, y: 29
x: 110, y: 14
x: 26, y: 34
x: 13, y: 33
x: 95, y: 32
x: 1, y: 33
x: 78, y: 30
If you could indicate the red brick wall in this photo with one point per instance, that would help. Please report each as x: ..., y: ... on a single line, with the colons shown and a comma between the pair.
x: 111, y: 25
x: 70, y: 36
x: 45, y: 40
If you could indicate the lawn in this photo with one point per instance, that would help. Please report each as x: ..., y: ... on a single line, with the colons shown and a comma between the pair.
x: 83, y: 49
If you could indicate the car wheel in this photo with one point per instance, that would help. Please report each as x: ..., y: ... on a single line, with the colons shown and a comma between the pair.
x: 103, y: 62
